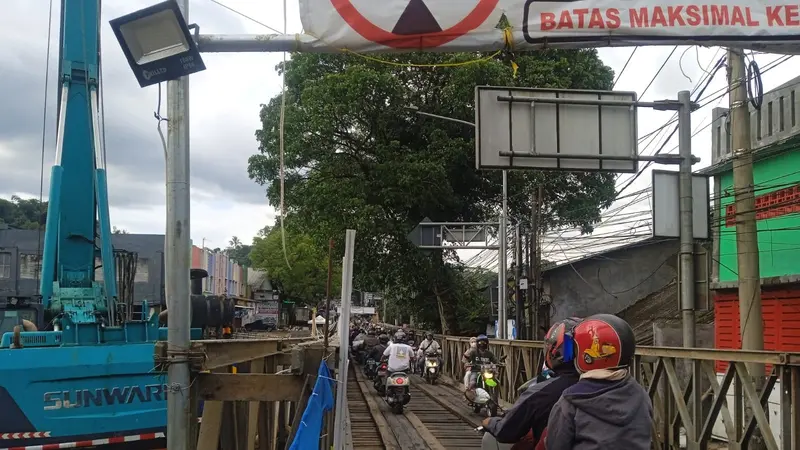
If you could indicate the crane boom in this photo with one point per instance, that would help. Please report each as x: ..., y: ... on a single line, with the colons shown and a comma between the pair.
x: 78, y: 196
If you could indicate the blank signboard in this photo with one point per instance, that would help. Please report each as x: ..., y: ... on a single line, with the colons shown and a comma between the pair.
x: 541, y: 136
x: 666, y: 205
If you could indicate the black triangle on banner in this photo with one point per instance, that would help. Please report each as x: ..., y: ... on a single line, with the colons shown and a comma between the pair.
x: 416, y: 19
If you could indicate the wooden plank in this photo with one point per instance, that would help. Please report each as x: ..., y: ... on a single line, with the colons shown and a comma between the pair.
x: 423, y: 431
x: 256, y: 367
x: 384, y: 430
x: 252, y: 387
x: 210, y: 427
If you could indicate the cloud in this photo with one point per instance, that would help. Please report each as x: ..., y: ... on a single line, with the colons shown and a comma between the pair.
x: 225, y: 102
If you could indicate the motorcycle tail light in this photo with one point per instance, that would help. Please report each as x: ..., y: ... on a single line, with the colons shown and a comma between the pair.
x: 399, y: 380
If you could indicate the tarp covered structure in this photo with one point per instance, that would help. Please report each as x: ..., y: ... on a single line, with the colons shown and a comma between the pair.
x: 321, y: 401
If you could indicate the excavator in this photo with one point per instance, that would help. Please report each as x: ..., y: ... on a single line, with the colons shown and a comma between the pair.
x: 75, y: 369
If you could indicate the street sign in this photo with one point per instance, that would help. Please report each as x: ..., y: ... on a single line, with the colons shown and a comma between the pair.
x: 458, y: 25
x: 666, y: 205
x: 454, y: 235
x: 555, y: 129
x: 464, y: 234
x: 426, y: 235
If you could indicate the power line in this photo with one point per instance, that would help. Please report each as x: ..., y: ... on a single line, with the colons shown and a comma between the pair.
x: 619, y: 75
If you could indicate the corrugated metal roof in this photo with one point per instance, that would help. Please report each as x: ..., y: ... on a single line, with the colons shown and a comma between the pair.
x: 661, y: 306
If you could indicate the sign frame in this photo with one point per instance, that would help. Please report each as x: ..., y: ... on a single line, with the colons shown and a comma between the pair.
x: 666, y: 203
x: 534, y: 129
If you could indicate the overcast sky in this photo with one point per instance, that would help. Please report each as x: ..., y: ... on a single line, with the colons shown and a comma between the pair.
x: 225, y: 102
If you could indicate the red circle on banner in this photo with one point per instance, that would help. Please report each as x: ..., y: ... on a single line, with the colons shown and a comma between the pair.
x: 374, y: 33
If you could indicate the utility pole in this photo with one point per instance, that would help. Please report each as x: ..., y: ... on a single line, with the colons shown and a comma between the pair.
x: 750, y: 316
x: 751, y: 325
x: 328, y: 285
x: 178, y: 253
x: 533, y: 266
x: 340, y: 422
x: 502, y: 295
x: 686, y: 220
x: 520, y: 302
x: 687, y: 273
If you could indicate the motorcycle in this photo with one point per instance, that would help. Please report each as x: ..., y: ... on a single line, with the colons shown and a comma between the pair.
x: 486, y: 391
x: 379, y: 383
x: 432, y: 367
x: 397, y: 391
x: 371, y: 368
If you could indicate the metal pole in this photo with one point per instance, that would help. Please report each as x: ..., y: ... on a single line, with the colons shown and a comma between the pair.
x: 178, y: 254
x: 686, y: 220
x: 502, y: 309
x: 344, y: 320
x: 520, y: 302
x: 751, y: 325
x: 687, y: 292
x: 328, y: 286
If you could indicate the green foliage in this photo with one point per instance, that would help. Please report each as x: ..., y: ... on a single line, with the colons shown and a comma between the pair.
x: 357, y: 157
x: 239, y: 252
x: 25, y: 214
x: 305, y: 276
x: 115, y: 230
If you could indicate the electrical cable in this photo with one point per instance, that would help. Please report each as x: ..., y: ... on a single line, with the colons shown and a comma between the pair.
x: 652, y: 80
x: 754, y: 75
x: 239, y: 13
x: 625, y: 66
x: 44, y: 138
x: 709, y: 79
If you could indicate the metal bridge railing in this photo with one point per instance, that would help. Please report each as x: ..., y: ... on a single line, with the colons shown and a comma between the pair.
x: 732, y: 404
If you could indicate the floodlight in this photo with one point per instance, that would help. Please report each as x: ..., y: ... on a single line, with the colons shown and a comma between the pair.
x: 158, y: 44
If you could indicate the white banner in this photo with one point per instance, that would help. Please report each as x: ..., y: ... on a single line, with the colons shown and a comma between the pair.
x: 454, y: 25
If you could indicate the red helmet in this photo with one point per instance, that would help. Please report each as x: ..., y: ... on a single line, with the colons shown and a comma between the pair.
x: 603, y: 341
x: 558, y: 346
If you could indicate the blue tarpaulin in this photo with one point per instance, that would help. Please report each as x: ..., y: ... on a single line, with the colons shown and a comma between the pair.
x: 310, y: 429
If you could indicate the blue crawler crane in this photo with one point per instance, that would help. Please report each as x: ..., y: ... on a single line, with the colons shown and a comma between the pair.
x: 74, y: 369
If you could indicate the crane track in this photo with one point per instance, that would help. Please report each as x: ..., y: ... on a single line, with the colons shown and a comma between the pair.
x: 435, y: 419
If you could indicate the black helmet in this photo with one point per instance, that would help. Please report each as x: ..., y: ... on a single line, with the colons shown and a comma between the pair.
x: 559, y: 348
x: 603, y: 341
x: 383, y: 339
x: 482, y: 342
x: 399, y: 338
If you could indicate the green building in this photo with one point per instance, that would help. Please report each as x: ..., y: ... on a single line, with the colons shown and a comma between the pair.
x: 775, y: 138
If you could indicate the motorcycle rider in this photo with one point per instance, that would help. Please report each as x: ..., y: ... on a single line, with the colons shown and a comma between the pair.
x: 475, y: 357
x: 400, y: 355
x: 467, y: 369
x: 522, y: 426
x: 376, y: 352
x: 370, y: 341
x: 426, y: 347
x: 607, y: 408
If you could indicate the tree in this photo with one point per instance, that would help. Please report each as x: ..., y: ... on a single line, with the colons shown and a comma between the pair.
x: 26, y: 214
x: 355, y: 157
x: 115, y: 230
x: 304, y: 277
x: 239, y: 252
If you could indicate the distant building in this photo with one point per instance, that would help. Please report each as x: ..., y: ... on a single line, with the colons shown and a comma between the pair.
x: 20, y: 266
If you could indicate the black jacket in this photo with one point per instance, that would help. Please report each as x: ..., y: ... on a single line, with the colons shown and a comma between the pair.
x: 532, y: 409
x: 376, y: 352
